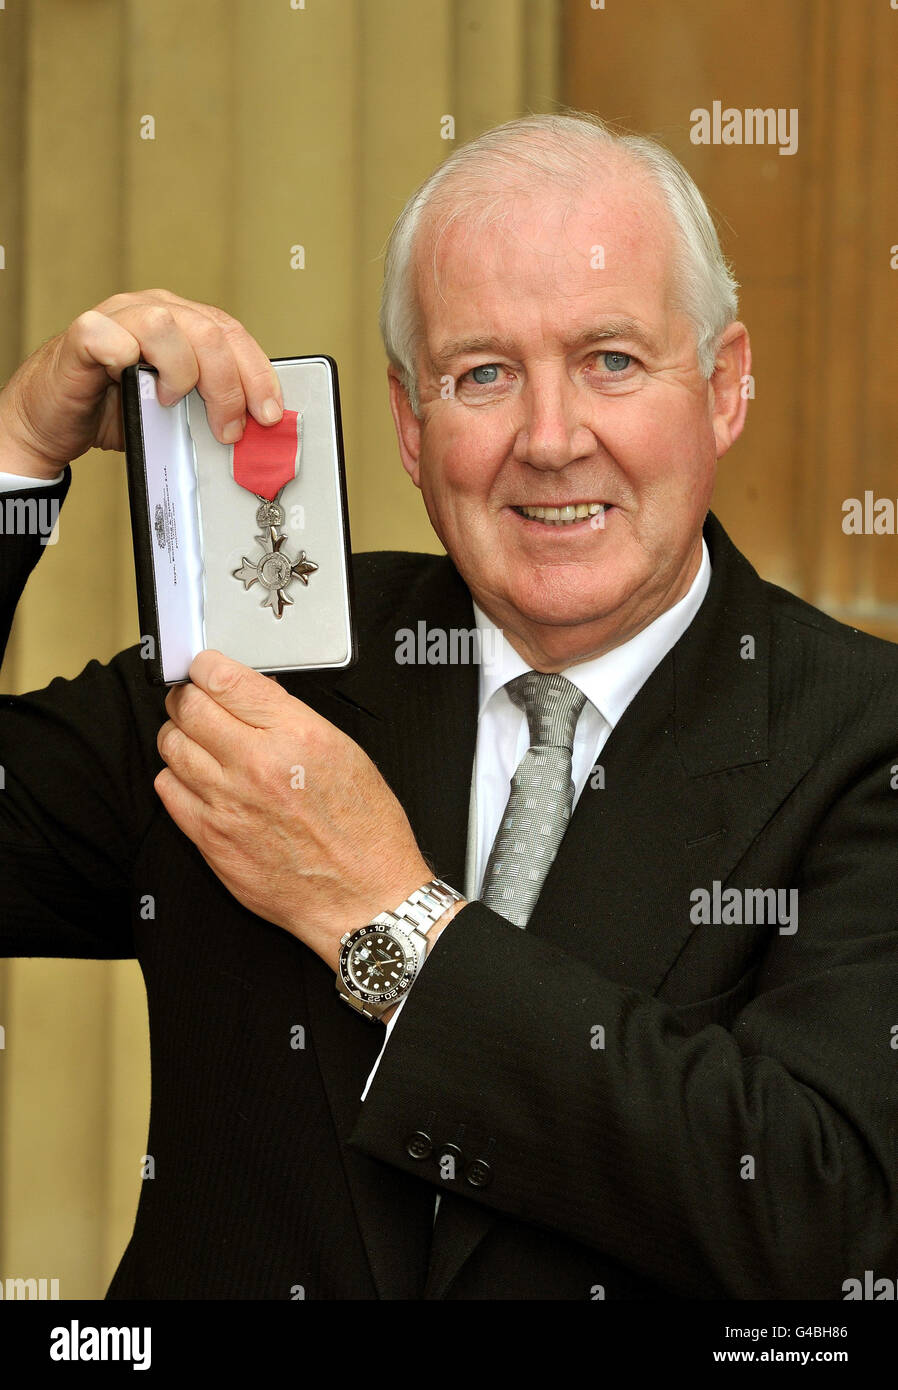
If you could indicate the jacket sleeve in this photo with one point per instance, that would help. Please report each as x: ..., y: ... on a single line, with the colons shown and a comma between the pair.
x: 76, y: 789
x: 757, y: 1160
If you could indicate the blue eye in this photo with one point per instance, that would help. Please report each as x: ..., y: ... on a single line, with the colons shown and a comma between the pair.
x: 617, y: 361
x: 487, y: 380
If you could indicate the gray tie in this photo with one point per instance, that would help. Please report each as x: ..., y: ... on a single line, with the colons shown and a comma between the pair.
x: 542, y: 795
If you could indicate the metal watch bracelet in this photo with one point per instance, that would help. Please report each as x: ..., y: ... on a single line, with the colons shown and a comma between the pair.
x: 412, y: 919
x: 423, y: 908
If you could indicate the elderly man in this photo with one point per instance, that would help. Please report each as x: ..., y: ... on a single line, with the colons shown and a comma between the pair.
x: 649, y: 1051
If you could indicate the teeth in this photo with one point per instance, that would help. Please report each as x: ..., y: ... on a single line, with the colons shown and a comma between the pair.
x: 563, y: 516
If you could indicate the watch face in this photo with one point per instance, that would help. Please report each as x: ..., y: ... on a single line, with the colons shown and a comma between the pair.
x: 377, y: 965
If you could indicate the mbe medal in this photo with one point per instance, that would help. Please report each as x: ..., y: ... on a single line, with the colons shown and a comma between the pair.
x: 265, y: 460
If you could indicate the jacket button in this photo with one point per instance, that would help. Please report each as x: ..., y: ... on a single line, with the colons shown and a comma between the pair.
x: 479, y: 1173
x: 419, y: 1145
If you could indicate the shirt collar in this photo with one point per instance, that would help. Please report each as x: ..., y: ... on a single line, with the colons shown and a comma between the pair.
x: 610, y: 681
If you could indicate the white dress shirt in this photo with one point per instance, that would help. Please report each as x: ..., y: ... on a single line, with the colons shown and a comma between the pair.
x: 14, y: 482
x: 609, y: 683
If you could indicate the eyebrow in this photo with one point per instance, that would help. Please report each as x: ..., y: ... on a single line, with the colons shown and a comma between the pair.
x: 621, y: 327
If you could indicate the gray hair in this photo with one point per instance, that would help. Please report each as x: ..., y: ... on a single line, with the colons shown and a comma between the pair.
x: 563, y: 150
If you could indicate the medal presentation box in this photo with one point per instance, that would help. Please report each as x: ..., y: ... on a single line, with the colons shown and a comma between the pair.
x: 243, y: 547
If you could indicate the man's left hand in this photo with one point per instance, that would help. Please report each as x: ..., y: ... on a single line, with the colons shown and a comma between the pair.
x: 290, y: 813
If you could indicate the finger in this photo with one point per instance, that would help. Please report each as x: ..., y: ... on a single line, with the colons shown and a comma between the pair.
x: 219, y: 382
x: 243, y: 692
x: 186, y: 810
x: 163, y: 342
x: 208, y: 724
x: 190, y: 350
x: 110, y: 434
x: 94, y: 340
x: 259, y: 386
x: 194, y: 767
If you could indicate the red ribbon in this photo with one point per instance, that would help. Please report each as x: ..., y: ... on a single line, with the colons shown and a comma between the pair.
x: 267, y: 457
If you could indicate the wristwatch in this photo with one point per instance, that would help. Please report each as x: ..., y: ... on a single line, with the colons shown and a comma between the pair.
x: 379, y: 961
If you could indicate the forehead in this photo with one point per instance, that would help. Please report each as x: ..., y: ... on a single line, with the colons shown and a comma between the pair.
x: 547, y: 253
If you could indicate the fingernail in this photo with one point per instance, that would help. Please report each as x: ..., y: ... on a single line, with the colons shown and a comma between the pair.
x: 271, y: 411
x: 233, y: 430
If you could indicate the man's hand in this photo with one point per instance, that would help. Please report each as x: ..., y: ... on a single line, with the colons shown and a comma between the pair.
x: 65, y: 398
x: 289, y: 812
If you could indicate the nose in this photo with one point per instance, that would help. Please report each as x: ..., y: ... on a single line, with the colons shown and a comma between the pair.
x: 553, y: 432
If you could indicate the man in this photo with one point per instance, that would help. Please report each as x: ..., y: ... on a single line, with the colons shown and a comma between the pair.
x: 649, y: 1051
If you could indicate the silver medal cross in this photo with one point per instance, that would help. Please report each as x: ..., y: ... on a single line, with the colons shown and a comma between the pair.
x: 274, y: 571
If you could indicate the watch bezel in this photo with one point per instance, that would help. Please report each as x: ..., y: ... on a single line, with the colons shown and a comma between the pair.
x: 402, y: 985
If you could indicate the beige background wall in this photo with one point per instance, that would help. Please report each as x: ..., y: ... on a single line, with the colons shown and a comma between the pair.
x: 277, y: 126
x: 274, y: 126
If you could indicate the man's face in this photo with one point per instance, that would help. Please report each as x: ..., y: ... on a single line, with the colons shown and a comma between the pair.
x: 548, y: 381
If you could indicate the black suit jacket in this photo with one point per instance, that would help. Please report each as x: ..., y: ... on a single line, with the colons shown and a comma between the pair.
x: 735, y: 1134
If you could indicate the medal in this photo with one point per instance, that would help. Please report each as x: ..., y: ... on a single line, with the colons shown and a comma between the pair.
x: 265, y: 460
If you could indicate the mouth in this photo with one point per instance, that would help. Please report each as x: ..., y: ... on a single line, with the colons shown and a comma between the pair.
x: 570, y: 514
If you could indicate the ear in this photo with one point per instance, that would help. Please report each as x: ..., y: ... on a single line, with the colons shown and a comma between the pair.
x: 729, y: 400
x: 408, y: 426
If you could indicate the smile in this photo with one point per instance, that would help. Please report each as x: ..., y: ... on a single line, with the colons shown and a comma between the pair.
x: 567, y: 515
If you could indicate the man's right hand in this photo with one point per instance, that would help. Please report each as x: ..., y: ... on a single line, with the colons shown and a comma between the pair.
x: 65, y: 397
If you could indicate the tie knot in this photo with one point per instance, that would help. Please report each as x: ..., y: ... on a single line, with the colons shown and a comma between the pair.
x: 552, y: 705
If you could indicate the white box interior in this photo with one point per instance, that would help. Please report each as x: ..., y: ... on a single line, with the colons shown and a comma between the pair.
x: 204, y: 525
